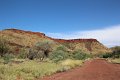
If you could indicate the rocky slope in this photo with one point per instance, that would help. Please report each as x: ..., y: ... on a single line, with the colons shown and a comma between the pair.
x: 20, y: 38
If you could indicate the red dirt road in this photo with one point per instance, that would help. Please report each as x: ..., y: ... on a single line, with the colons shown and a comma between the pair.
x: 92, y: 70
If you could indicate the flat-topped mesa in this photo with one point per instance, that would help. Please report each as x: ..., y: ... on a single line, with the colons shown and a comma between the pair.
x: 29, y: 32
x: 74, y: 40
x: 57, y: 40
x: 27, y: 39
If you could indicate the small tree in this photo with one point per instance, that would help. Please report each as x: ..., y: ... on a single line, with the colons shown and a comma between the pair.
x: 32, y: 53
x: 40, y: 50
x: 44, y: 46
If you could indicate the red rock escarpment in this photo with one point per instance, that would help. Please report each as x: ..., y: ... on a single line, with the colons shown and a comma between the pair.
x: 57, y: 40
x: 29, y: 32
x: 75, y: 40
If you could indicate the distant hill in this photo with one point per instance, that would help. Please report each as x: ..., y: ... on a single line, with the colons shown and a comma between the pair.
x: 20, y: 38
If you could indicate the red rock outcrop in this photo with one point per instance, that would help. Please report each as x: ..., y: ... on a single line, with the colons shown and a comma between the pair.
x: 29, y: 32
x: 75, y: 40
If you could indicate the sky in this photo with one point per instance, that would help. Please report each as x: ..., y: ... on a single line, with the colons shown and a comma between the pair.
x: 66, y: 19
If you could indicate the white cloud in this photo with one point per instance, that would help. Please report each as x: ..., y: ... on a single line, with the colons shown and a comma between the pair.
x: 109, y: 36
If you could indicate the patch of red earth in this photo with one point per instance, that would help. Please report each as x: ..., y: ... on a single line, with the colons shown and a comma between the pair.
x: 92, y: 70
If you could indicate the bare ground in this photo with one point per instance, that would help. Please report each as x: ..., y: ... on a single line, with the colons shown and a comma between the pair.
x: 97, y: 69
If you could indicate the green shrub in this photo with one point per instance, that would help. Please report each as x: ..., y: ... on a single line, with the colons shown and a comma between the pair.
x: 7, y: 58
x: 32, y: 54
x: 104, y: 55
x: 59, y: 54
x: 44, y: 45
x: 116, y: 55
x: 116, y: 52
x: 38, y: 54
x: 22, y: 53
x: 40, y: 50
x: 3, y: 47
x: 107, y: 55
x: 63, y: 48
x: 79, y: 55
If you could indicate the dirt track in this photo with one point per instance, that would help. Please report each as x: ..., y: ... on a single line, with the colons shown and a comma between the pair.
x: 91, y: 70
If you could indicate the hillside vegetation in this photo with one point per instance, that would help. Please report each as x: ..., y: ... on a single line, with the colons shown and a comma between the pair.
x: 26, y: 55
x: 26, y: 39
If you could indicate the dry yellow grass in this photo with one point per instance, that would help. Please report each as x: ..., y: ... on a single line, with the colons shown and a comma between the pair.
x: 29, y: 70
x: 117, y: 61
x: 71, y: 63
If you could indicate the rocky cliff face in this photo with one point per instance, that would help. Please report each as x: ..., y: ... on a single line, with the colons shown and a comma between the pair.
x: 75, y: 40
x: 20, y: 38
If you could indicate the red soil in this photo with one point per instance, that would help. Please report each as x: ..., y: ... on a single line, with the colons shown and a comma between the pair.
x: 91, y: 70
